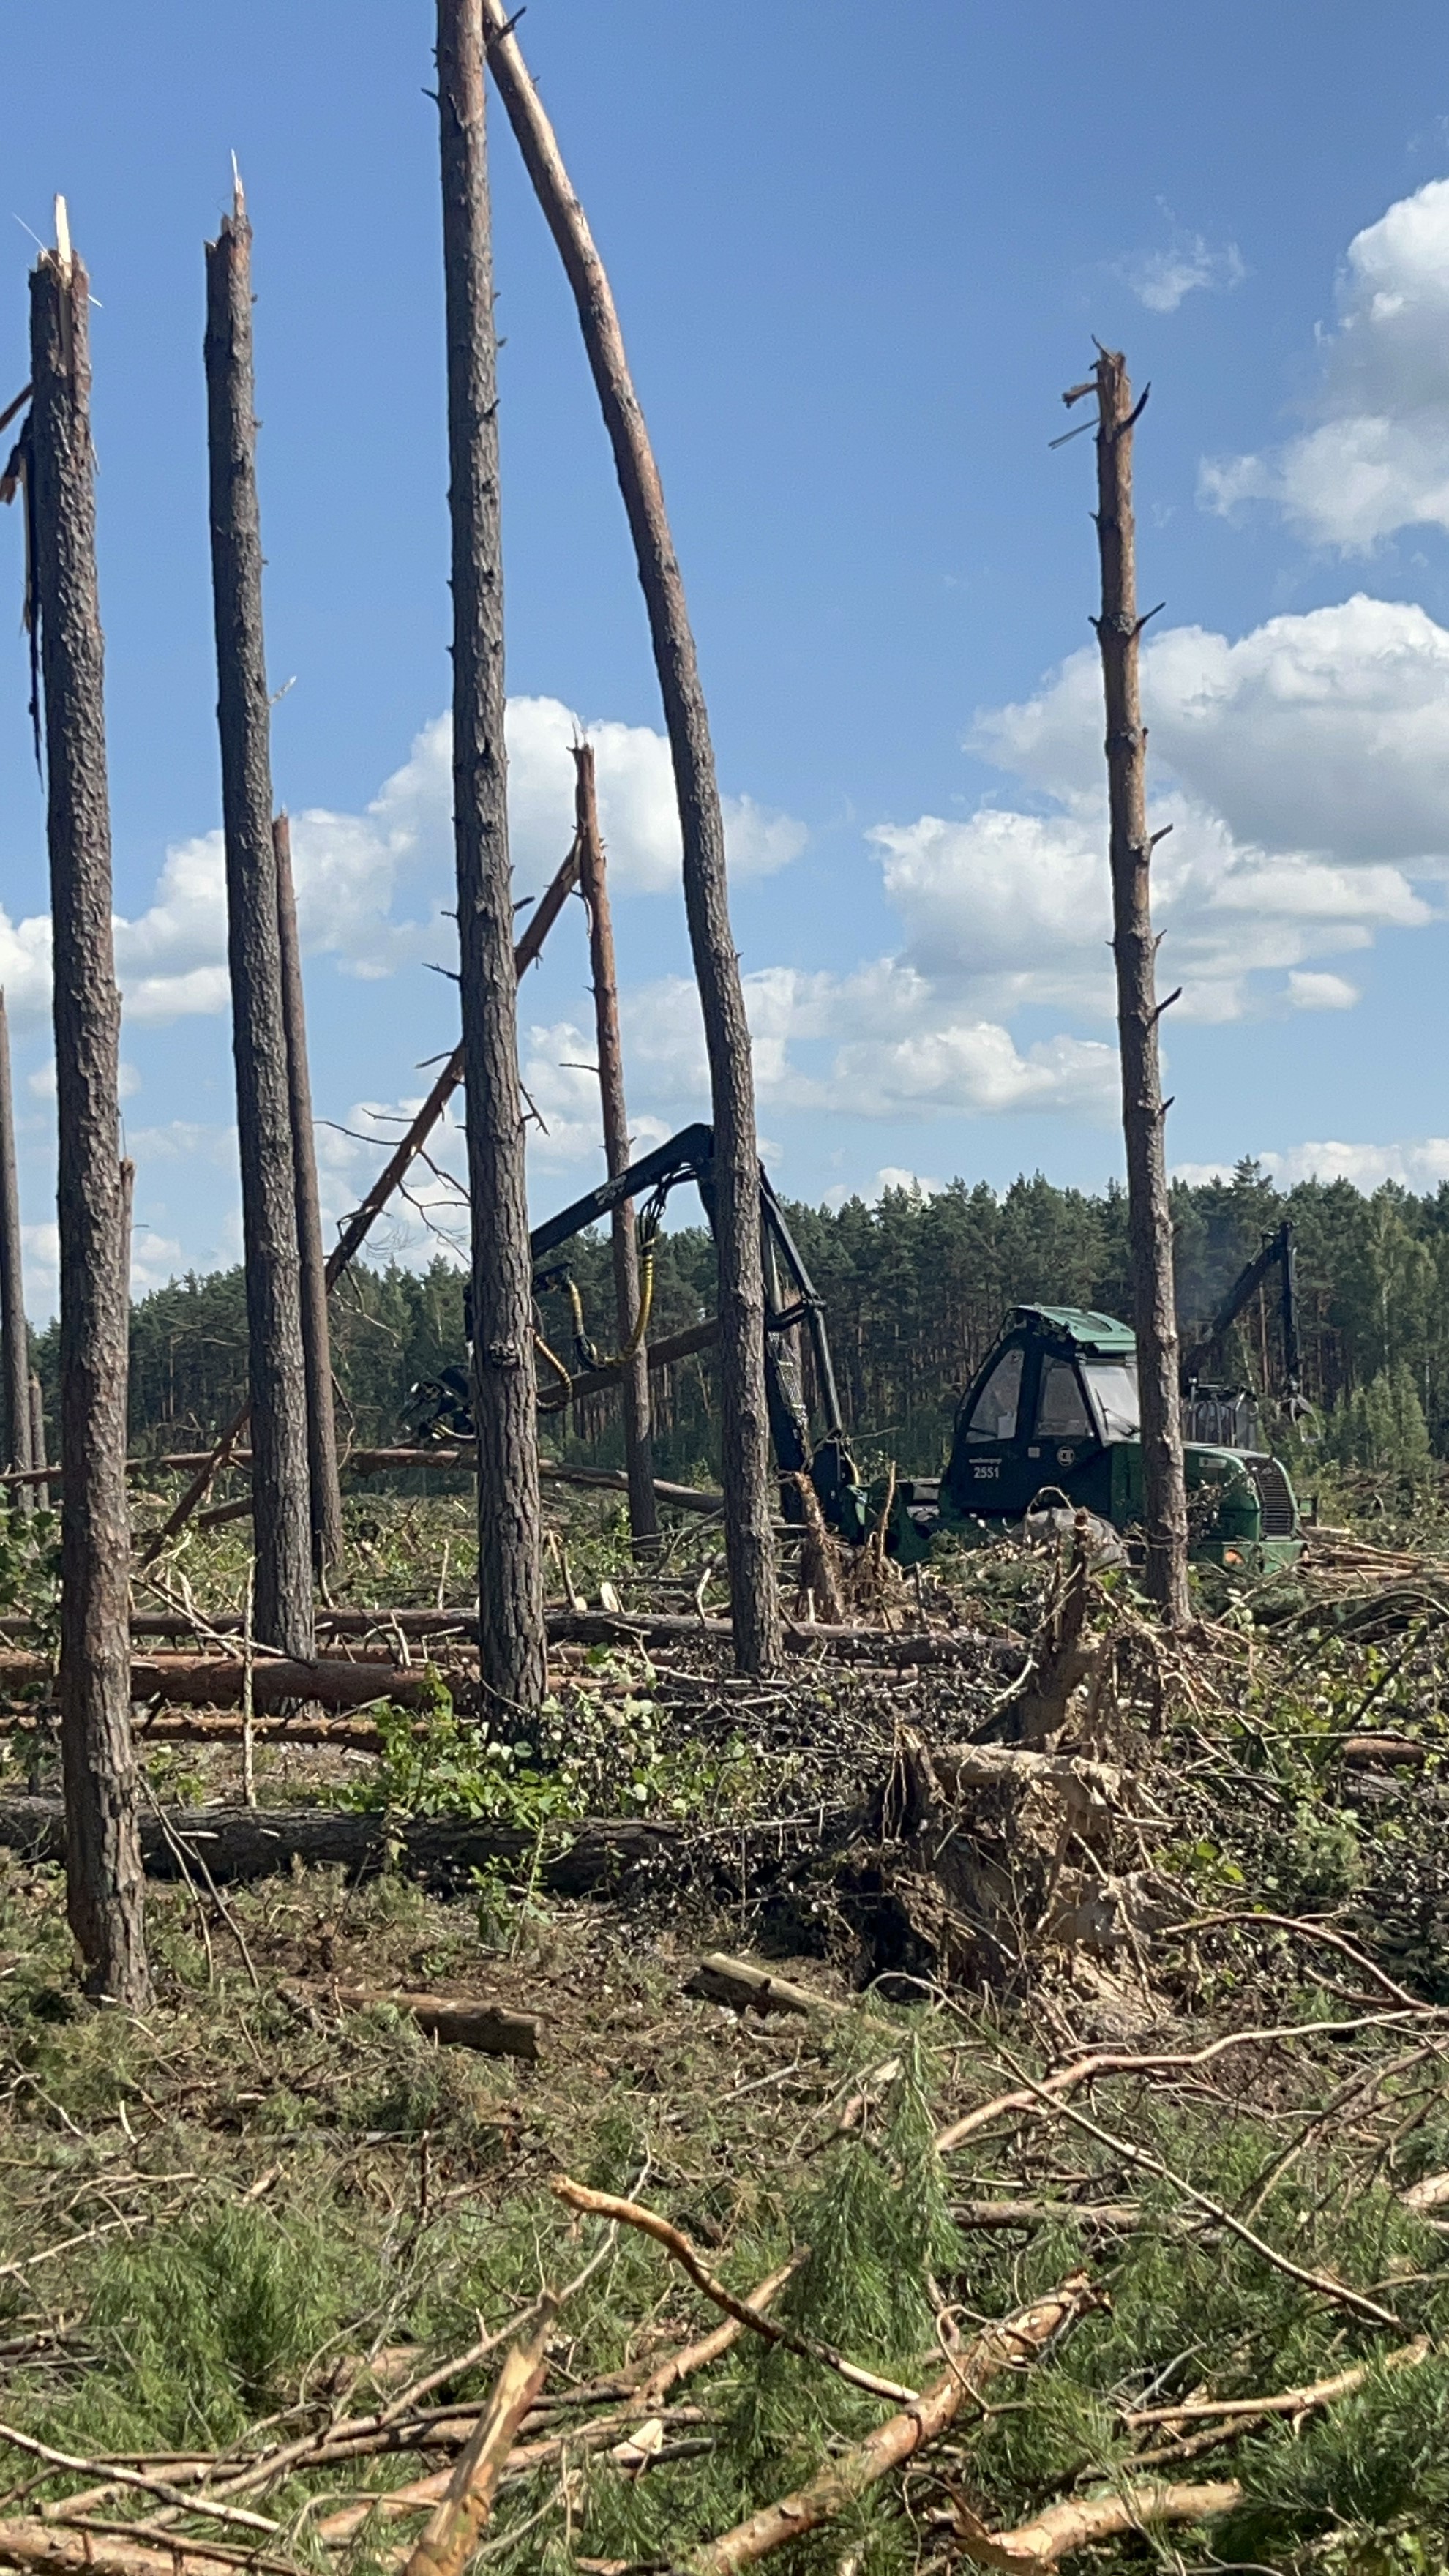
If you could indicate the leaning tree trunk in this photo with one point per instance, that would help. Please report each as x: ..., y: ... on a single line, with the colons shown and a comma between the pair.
x: 1149, y: 1213
x: 103, y: 1852
x: 513, y: 1652
x: 280, y: 1482
x: 634, y: 1377
x: 316, y: 1334
x: 14, y: 1340
x: 744, y: 1418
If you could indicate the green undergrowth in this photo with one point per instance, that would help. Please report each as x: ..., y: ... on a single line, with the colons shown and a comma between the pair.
x: 225, y: 2209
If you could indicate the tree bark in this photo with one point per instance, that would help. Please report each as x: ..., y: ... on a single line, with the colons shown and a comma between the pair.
x: 744, y: 1420
x: 1149, y: 1213
x: 326, y: 1488
x: 633, y: 1378
x: 14, y: 1340
x: 40, y: 1488
x: 513, y: 1659
x: 264, y: 1117
x: 103, y: 1856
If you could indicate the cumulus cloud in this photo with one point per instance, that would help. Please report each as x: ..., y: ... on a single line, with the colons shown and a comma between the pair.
x: 911, y: 1052
x: 1422, y: 1163
x: 1161, y: 278
x: 1321, y: 992
x: 1304, y: 770
x: 890, y: 1177
x: 1377, y: 457
x: 373, y: 887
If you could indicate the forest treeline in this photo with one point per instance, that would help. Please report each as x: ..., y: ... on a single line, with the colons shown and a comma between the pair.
x: 915, y: 1290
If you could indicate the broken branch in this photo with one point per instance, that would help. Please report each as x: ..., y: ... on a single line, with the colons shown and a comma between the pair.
x: 456, y: 2527
x: 1017, y: 2341
x: 629, y: 2213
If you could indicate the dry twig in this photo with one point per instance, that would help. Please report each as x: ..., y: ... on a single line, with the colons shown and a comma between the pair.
x: 628, y: 2213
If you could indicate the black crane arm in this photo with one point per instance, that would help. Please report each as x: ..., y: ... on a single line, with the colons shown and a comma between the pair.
x: 1279, y: 1252
x: 690, y: 1156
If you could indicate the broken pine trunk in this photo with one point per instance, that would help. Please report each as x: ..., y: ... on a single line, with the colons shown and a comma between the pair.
x: 512, y: 1649
x: 633, y: 1321
x: 1149, y: 1213
x: 103, y: 1852
x: 14, y: 1340
x: 326, y: 1488
x: 745, y: 1437
x: 280, y: 1483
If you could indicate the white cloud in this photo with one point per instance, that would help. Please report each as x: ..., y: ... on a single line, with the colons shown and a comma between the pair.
x: 638, y: 811
x: 1305, y: 773
x: 1421, y: 1163
x: 891, y: 1176
x: 182, y: 1139
x: 1321, y: 992
x: 1378, y: 457
x: 1161, y: 278
x: 911, y: 1051
x: 373, y: 889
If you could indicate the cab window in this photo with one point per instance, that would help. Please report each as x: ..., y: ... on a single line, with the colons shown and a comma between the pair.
x: 1061, y: 1412
x: 1114, y: 1384
x: 993, y: 1415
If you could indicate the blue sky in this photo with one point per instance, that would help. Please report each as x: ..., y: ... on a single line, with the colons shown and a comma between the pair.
x: 858, y: 254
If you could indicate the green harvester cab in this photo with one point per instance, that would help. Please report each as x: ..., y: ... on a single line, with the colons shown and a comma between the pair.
x: 1053, y: 1412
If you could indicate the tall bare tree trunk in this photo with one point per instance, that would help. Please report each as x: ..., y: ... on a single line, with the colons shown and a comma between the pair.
x: 280, y: 1483
x: 326, y: 1485
x: 748, y: 1485
x: 513, y: 1655
x: 37, y: 1442
x: 14, y: 1340
x: 1149, y: 1212
x: 103, y: 1851
x: 594, y: 886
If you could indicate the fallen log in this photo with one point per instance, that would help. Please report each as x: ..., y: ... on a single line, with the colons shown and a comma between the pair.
x: 224, y: 1726
x: 881, y: 1650
x: 378, y: 1462
x: 596, y: 1857
x: 456, y: 2021
x: 723, y: 1980
x: 330, y: 1623
x: 218, y: 1681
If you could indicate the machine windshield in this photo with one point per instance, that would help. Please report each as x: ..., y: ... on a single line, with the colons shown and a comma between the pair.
x: 1114, y: 1390
x: 993, y: 1416
x: 1061, y: 1413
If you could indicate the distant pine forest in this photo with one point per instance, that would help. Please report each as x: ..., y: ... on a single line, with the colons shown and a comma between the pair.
x: 915, y: 1289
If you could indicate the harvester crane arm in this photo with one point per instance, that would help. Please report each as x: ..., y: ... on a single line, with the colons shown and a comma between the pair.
x: 1278, y: 1253
x: 689, y: 1156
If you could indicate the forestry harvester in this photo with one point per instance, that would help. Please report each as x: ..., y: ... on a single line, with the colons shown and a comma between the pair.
x: 1051, y: 1415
